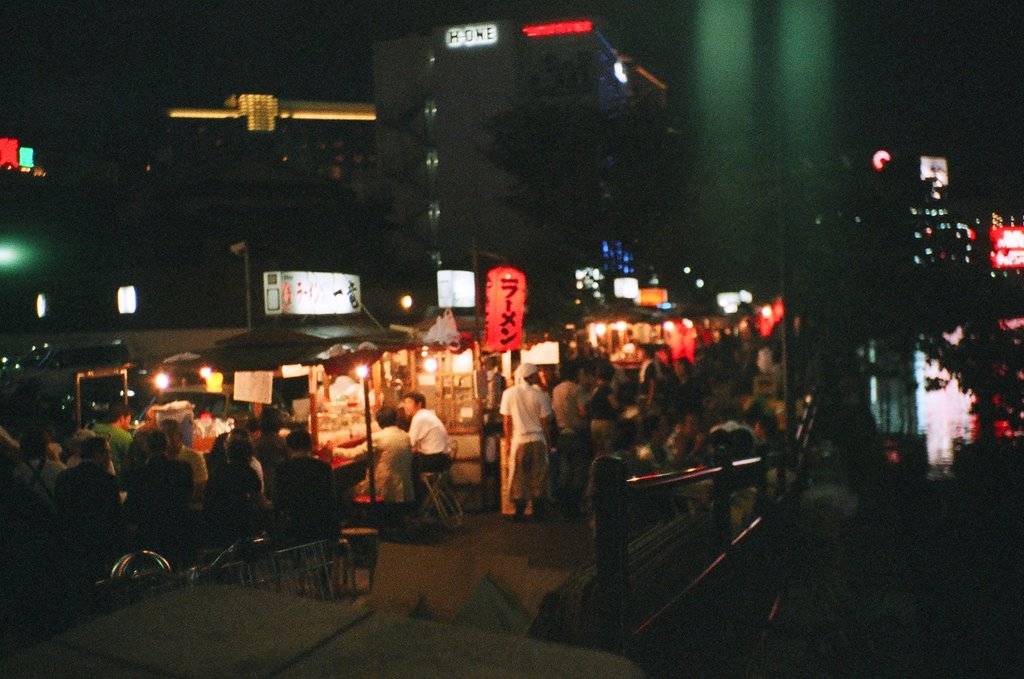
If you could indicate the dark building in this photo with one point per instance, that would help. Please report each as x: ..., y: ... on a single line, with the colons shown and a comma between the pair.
x: 437, y: 98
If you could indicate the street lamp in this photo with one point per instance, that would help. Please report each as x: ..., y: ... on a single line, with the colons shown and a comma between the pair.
x: 241, y: 249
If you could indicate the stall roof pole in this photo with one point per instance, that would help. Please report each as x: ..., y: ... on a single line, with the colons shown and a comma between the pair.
x: 372, y: 471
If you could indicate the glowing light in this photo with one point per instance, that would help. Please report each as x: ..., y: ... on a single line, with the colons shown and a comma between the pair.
x: 766, y: 311
x: 620, y: 72
x: 40, y: 305
x: 621, y: 326
x: 471, y: 36
x: 162, y: 381
x: 126, y: 299
x: 362, y: 371
x: 687, y: 322
x: 699, y: 283
x: 405, y: 302
x: 600, y: 329
x: 205, y: 371
x: 8, y: 255
x: 8, y: 152
x: 558, y: 28
x: 880, y: 159
x: 669, y: 326
x: 430, y: 365
x: 214, y: 382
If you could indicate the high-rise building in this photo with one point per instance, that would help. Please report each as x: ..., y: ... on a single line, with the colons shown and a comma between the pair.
x: 940, y: 237
x: 436, y: 98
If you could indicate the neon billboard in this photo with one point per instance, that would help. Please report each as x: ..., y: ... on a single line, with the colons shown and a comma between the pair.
x: 558, y: 28
x: 1007, y: 247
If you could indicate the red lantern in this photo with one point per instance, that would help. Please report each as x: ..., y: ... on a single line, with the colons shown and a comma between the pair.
x: 506, y: 305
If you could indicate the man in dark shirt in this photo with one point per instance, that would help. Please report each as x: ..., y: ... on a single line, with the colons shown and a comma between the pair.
x: 270, y: 449
x: 159, y: 501
x: 89, y: 510
x: 304, y: 498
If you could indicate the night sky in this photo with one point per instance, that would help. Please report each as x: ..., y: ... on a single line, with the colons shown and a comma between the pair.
x: 933, y: 77
x: 90, y: 80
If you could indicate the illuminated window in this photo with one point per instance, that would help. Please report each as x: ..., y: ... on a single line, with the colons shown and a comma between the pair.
x: 260, y: 111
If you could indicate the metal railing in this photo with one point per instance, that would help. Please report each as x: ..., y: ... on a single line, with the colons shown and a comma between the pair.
x: 644, y: 568
x: 256, y: 562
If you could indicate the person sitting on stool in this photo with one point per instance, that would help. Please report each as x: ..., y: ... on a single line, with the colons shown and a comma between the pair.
x: 427, y: 435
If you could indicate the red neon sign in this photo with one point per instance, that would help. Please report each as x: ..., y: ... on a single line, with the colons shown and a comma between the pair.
x: 9, y: 152
x: 880, y: 159
x: 558, y: 28
x: 1007, y: 247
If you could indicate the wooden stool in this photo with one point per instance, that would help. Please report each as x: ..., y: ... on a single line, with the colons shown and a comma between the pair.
x: 362, y: 543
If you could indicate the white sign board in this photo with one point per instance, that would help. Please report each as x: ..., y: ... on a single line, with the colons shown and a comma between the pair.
x: 455, y: 289
x: 254, y: 386
x: 476, y: 35
x: 626, y: 288
x: 544, y: 353
x: 310, y: 292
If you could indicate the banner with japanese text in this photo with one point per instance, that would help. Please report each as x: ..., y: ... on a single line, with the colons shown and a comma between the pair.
x: 506, y: 304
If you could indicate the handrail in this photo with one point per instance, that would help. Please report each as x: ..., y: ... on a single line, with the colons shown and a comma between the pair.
x: 614, y: 492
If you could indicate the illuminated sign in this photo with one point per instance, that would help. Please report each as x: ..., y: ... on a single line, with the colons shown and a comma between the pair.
x: 9, y: 153
x: 310, y: 292
x: 27, y: 156
x: 652, y: 297
x: 626, y: 288
x: 558, y: 28
x: 506, y: 305
x: 880, y: 159
x: 127, y: 301
x: 470, y: 36
x: 456, y: 289
x: 1007, y: 247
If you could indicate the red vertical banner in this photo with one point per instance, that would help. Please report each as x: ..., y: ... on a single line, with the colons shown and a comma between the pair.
x: 506, y: 305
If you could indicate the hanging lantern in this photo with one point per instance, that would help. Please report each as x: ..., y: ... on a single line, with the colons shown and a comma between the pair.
x: 506, y: 305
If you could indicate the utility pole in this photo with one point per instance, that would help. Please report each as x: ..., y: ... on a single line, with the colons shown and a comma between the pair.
x: 241, y: 248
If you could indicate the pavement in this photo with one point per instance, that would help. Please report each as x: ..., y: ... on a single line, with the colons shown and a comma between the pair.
x: 895, y: 579
x: 231, y: 631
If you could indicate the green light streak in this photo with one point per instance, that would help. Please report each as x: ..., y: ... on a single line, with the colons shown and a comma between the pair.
x: 806, y: 72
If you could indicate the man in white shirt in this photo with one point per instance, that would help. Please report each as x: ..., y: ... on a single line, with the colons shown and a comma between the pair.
x: 527, y: 415
x: 427, y: 434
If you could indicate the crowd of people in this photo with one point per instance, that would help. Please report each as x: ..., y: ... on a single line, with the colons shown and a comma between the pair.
x: 82, y: 500
x: 664, y: 415
x: 72, y: 508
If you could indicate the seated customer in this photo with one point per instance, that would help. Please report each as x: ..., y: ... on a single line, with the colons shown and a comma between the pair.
x: 393, y: 471
x: 304, y: 500
x: 158, y: 501
x: 89, y: 508
x: 232, y: 499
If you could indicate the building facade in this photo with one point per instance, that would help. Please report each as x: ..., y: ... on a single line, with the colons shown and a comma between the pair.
x: 437, y: 98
